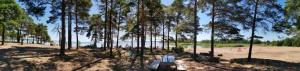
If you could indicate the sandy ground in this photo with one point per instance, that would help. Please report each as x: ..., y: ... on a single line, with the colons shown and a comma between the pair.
x: 34, y: 57
x: 289, y: 54
x: 11, y: 45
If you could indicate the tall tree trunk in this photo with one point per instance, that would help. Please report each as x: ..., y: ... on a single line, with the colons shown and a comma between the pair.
x: 110, y: 28
x: 60, y: 37
x: 151, y: 36
x: 131, y: 39
x: 195, y: 28
x: 113, y: 21
x: 33, y: 39
x: 18, y: 35
x: 21, y: 37
x: 253, y: 30
x: 176, y: 32
x: 3, y: 33
x: 212, y: 30
x: 138, y: 24
x: 105, y: 25
x: 118, y: 33
x: 95, y: 42
x: 138, y: 42
x: 63, y: 29
x: 69, y: 25
x: 143, y: 36
x: 155, y: 36
x: 76, y: 22
x: 169, y: 28
x: 163, y: 36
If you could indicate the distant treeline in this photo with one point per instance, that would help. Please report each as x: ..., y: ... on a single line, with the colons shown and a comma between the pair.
x: 242, y: 41
x: 293, y: 41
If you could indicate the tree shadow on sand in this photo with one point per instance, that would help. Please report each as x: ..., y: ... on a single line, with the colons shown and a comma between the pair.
x: 205, y: 62
x: 24, y: 65
x: 272, y: 65
x: 13, y: 59
x: 95, y: 55
x: 26, y: 52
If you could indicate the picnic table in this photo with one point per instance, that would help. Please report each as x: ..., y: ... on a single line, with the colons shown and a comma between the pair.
x: 167, y: 63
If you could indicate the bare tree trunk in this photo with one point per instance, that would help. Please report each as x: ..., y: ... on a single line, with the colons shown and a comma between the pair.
x: 60, y: 38
x: 155, y: 36
x: 138, y: 24
x: 76, y: 22
x: 131, y: 39
x: 195, y: 28
x: 3, y: 34
x: 33, y: 39
x: 176, y: 33
x: 110, y: 29
x: 18, y: 35
x: 212, y: 30
x: 118, y: 33
x: 63, y: 30
x: 95, y: 42
x: 143, y: 36
x: 252, y: 32
x: 69, y: 25
x: 151, y: 37
x: 169, y: 28
x: 105, y: 25
x: 163, y: 36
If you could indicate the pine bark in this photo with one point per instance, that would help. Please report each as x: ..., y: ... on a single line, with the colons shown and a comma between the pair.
x: 63, y: 29
x: 253, y: 31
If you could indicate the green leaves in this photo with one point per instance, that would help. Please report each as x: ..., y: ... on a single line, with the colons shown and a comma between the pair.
x: 9, y: 10
x: 83, y: 7
x: 292, y: 12
x: 95, y: 26
x: 37, y: 7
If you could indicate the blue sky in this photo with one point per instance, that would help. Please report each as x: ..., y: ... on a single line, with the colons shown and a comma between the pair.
x: 204, y: 19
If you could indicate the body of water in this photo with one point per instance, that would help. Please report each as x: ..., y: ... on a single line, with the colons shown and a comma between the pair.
x: 125, y: 43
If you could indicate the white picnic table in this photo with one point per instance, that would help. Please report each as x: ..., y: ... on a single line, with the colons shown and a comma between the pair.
x: 167, y: 59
